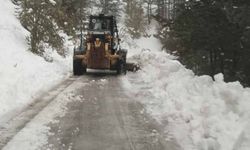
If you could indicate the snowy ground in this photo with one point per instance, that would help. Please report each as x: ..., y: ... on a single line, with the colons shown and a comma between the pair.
x: 23, y: 75
x: 35, y: 134
x: 201, y: 114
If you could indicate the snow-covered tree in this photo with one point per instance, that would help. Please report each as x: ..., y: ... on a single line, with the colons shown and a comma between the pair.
x: 211, y: 36
x: 108, y: 7
x: 36, y: 17
x: 71, y: 14
x: 135, y: 18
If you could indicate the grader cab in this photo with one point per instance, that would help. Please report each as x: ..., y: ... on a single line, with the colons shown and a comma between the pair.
x: 100, y: 47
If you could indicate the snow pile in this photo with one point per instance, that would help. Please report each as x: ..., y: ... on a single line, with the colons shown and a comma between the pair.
x: 23, y: 75
x: 201, y: 114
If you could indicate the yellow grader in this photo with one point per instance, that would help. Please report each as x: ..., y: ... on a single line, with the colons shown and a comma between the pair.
x: 100, y: 47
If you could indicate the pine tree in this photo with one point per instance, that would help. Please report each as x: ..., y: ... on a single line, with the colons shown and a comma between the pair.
x: 71, y: 14
x: 149, y: 9
x: 212, y: 36
x: 110, y: 7
x: 36, y: 17
x: 135, y: 19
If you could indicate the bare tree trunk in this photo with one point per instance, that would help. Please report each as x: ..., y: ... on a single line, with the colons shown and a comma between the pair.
x: 212, y: 63
x: 148, y: 13
x: 149, y: 10
x: 221, y: 57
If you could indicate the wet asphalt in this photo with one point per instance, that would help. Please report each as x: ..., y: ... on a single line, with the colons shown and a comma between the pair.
x: 106, y: 118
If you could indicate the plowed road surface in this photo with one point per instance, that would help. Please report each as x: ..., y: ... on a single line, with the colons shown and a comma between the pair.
x: 91, y: 112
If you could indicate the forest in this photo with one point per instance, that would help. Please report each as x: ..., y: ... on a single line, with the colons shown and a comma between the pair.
x: 210, y: 36
x: 207, y: 36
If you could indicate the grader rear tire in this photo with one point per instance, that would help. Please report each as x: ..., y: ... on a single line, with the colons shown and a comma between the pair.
x: 121, y: 68
x: 78, y: 69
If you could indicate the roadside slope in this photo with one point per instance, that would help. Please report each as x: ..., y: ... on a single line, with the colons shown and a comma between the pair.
x: 23, y: 75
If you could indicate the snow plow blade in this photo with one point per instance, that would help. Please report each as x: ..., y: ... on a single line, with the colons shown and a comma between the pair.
x: 133, y: 67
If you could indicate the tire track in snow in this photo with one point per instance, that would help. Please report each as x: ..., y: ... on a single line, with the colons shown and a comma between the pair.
x: 10, y: 128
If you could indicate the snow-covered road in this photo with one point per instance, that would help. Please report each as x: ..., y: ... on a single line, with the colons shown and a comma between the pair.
x: 90, y: 112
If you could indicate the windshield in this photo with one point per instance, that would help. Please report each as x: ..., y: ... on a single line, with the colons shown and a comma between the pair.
x: 100, y: 24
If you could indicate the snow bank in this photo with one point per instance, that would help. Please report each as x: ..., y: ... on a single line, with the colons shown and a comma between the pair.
x: 201, y: 114
x: 35, y: 135
x: 23, y: 75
